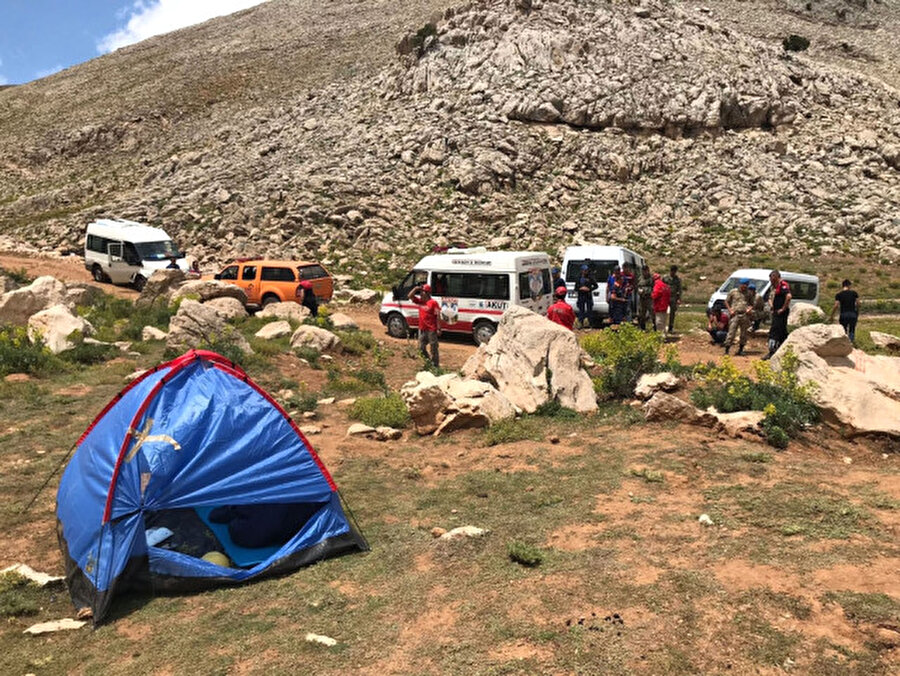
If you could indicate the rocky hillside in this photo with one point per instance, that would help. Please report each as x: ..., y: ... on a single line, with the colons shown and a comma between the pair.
x: 681, y: 130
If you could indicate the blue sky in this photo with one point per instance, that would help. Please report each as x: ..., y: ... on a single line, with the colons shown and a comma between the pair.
x: 41, y: 37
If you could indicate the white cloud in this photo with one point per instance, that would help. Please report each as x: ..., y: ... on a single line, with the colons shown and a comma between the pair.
x: 48, y: 71
x: 147, y: 18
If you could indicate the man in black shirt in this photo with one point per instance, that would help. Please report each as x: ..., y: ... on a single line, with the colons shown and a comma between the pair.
x: 848, y: 302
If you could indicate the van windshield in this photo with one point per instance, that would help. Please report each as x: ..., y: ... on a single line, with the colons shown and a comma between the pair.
x: 157, y: 251
x: 599, y: 270
x: 733, y: 282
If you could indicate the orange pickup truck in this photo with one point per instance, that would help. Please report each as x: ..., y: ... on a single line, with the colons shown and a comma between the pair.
x: 268, y: 281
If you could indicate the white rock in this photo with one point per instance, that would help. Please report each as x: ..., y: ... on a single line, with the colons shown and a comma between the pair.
x: 464, y: 532
x: 26, y: 571
x: 705, y: 520
x: 228, y: 307
x: 290, y: 311
x: 649, y: 383
x: 439, y: 404
x: 319, y: 638
x: 206, y: 289
x: 54, y: 626
x: 18, y: 305
x: 196, y: 324
x: 310, y: 430
x: 274, y: 330
x: 804, y: 313
x: 317, y: 338
x: 359, y: 429
x: 54, y: 326
x: 885, y: 341
x: 341, y: 321
x: 153, y: 333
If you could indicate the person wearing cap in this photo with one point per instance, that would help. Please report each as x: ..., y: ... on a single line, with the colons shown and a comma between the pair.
x: 561, y: 312
x: 429, y: 322
x: 558, y: 281
x: 781, y: 308
x: 737, y: 302
x: 307, y: 297
x: 662, y: 297
x: 618, y: 302
x: 674, y: 283
x: 173, y: 263
x: 645, y: 299
x: 585, y: 287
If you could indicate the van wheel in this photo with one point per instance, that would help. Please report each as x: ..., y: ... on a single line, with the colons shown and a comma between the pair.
x: 397, y: 326
x: 98, y: 274
x: 270, y: 298
x: 483, y: 331
x: 139, y: 282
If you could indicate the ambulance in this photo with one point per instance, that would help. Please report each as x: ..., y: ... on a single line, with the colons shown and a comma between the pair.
x: 474, y: 287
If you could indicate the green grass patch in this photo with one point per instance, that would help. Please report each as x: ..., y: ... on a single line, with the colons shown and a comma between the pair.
x: 387, y: 411
x: 524, y: 554
x: 872, y: 608
x: 19, y: 596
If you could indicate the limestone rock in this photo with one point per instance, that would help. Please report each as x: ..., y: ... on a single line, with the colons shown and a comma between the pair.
x: 316, y: 338
x: 153, y: 333
x: 440, y: 404
x: 274, y: 330
x: 341, y: 321
x: 885, y: 341
x: 196, y: 324
x: 664, y: 407
x: 853, y: 389
x: 289, y: 311
x: 7, y: 284
x: 206, y: 289
x: 18, y: 305
x: 228, y: 307
x: 79, y: 294
x: 357, y: 295
x: 532, y: 361
x: 54, y: 326
x: 385, y: 433
x: 359, y: 429
x: 740, y: 424
x: 804, y: 313
x: 650, y: 383
x: 160, y: 287
x: 462, y: 532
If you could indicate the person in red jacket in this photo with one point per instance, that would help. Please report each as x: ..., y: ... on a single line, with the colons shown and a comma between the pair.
x: 429, y: 321
x: 561, y: 312
x: 661, y: 295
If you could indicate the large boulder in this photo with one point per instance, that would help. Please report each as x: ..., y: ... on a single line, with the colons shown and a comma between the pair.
x: 854, y: 389
x: 885, y: 340
x: 82, y: 294
x: 344, y: 322
x: 289, y: 311
x: 319, y: 339
x: 18, y: 305
x: 531, y: 361
x: 228, y: 307
x: 439, y: 404
x: 54, y: 326
x: 206, y: 289
x: 196, y: 324
x: 805, y: 313
x: 160, y: 287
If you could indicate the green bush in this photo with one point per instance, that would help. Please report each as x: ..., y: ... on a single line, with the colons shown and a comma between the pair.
x: 19, y: 355
x: 356, y: 342
x: 389, y: 411
x: 787, y: 404
x: 524, y: 554
x: 18, y: 596
x: 20, y: 275
x: 371, y: 377
x: 120, y: 319
x: 87, y: 353
x: 310, y: 354
x: 623, y: 356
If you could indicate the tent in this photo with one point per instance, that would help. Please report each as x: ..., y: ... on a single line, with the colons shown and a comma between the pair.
x: 194, y: 434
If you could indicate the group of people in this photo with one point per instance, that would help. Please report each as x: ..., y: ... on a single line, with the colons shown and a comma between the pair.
x: 656, y: 298
x: 745, y: 308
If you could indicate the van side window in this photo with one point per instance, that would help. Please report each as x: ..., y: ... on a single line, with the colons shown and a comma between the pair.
x: 804, y: 290
x: 276, y: 275
x: 414, y: 278
x: 599, y: 270
x: 231, y: 272
x: 97, y: 243
x: 477, y: 285
x: 248, y: 274
x: 533, y: 284
x: 312, y: 272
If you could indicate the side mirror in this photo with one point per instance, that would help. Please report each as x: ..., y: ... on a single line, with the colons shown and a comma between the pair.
x: 218, y: 275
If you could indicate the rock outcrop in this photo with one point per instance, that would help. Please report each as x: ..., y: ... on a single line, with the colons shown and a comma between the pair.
x: 18, y: 305
x: 441, y: 404
x: 651, y: 383
x: 54, y: 326
x: 207, y: 289
x: 805, y: 313
x: 885, y: 341
x: 316, y: 338
x: 197, y: 324
x: 532, y: 361
x: 160, y: 287
x: 858, y: 391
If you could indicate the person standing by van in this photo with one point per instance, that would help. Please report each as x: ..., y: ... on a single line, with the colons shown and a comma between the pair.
x: 781, y: 308
x: 585, y: 287
x: 662, y: 298
x: 429, y: 321
x: 739, y: 309
x: 561, y: 312
x: 618, y: 302
x: 847, y: 300
x: 673, y: 281
x: 645, y: 299
x: 558, y: 281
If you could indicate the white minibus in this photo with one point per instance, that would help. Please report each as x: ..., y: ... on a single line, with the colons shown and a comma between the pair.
x: 126, y: 252
x: 804, y: 288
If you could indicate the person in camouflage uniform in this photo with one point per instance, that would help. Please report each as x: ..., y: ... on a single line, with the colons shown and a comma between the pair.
x: 674, y: 283
x: 645, y: 299
x: 758, y: 303
x: 738, y: 305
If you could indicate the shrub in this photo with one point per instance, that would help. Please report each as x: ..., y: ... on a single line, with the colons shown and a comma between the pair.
x: 303, y: 402
x: 19, y: 355
x: 787, y: 404
x: 510, y: 430
x: 87, y: 353
x: 18, y: 596
x: 356, y: 342
x: 553, y: 409
x: 371, y: 377
x: 524, y: 554
x: 20, y: 275
x: 389, y: 411
x: 310, y: 354
x: 623, y: 356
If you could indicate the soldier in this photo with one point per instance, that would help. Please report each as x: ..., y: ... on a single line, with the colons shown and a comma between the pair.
x: 645, y: 299
x: 758, y: 303
x: 674, y: 283
x: 739, y: 310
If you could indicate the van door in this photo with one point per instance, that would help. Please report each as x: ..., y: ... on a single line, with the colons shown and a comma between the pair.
x: 249, y: 283
x: 118, y: 270
x: 401, y: 292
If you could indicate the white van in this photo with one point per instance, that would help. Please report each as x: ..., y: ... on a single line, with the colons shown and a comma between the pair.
x: 473, y: 287
x: 601, y: 261
x: 126, y: 252
x: 804, y: 288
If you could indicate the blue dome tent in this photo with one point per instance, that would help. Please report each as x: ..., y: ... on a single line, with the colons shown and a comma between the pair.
x: 157, y: 478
